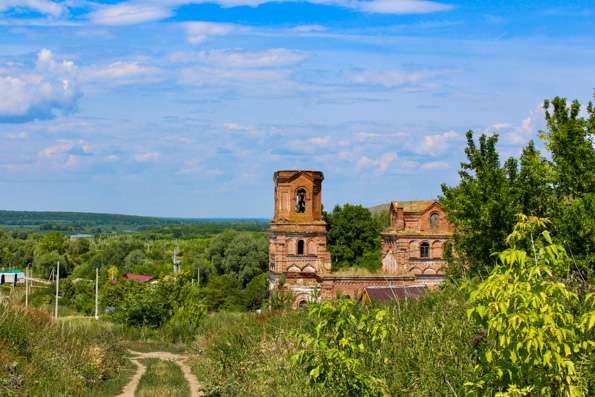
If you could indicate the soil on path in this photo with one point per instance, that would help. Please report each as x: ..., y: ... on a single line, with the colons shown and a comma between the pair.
x: 178, y: 359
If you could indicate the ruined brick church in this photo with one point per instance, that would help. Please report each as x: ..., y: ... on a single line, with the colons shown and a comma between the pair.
x: 299, y: 262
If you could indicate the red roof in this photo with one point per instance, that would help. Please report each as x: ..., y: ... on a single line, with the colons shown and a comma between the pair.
x: 141, y: 278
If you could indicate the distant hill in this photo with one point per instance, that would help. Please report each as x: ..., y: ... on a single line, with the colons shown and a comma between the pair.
x: 378, y: 209
x: 79, y: 221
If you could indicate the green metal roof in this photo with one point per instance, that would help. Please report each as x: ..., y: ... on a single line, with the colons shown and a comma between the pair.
x: 11, y: 271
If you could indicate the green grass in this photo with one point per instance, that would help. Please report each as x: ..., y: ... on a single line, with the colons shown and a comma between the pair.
x: 162, y: 379
x: 431, y: 353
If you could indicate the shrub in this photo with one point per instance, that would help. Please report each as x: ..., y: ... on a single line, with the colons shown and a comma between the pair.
x: 345, y: 341
x: 535, y: 334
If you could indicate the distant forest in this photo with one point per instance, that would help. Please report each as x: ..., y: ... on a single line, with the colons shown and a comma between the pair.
x: 85, y: 222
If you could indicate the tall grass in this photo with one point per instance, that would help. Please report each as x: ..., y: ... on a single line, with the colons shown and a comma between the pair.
x: 430, y: 353
x: 41, y: 357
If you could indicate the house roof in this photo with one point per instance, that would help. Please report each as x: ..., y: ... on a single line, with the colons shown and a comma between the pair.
x: 11, y: 271
x: 141, y: 278
x: 413, y: 206
x: 382, y: 294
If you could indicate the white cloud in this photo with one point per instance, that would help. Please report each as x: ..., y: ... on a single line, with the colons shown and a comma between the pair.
x: 147, y: 156
x: 365, y: 136
x: 402, y: 6
x: 380, y: 165
x: 211, y: 76
x: 67, y: 154
x: 41, y: 6
x: 19, y: 136
x: 50, y: 87
x: 500, y: 126
x: 521, y: 134
x: 319, y: 140
x: 434, y: 165
x: 435, y: 144
x: 239, y: 128
x: 309, y: 28
x: 129, y: 14
x: 119, y: 70
x: 143, y: 11
x: 273, y: 57
x: 199, y: 32
x: 387, y: 78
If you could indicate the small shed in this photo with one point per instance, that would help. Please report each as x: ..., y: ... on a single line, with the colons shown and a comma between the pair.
x: 11, y: 276
x: 384, y: 294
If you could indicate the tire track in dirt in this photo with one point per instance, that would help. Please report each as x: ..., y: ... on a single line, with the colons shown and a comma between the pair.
x: 178, y: 359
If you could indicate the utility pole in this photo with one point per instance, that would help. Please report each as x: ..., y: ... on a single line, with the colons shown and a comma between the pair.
x: 96, y: 292
x: 176, y: 261
x: 57, y: 288
x: 27, y: 277
x: 198, y: 275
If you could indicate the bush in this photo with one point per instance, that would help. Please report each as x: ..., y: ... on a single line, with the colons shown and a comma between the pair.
x: 346, y: 340
x: 537, y: 331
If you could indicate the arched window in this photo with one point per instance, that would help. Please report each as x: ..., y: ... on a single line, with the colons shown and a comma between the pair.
x: 424, y: 250
x: 300, y: 200
x: 435, y: 220
x: 300, y: 247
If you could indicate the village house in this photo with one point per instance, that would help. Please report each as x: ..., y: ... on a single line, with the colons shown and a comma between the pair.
x: 299, y: 262
x: 11, y: 276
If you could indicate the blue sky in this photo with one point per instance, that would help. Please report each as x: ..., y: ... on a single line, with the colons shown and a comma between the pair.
x: 186, y: 108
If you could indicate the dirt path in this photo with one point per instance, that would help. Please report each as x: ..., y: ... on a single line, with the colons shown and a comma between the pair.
x: 178, y: 359
x: 130, y: 388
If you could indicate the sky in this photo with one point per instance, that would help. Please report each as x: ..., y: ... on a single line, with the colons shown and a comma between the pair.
x: 185, y: 108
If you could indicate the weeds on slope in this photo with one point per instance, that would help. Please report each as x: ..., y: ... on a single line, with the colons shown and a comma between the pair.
x: 41, y: 357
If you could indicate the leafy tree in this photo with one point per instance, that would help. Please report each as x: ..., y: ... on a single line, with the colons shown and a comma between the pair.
x: 570, y: 139
x: 256, y: 292
x: 52, y: 241
x: 223, y: 292
x: 537, y: 330
x: 533, y: 190
x: 481, y: 206
x: 134, y: 258
x: 46, y: 263
x: 240, y: 254
x: 353, y: 237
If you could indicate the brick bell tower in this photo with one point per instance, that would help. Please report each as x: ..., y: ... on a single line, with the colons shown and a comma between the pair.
x: 297, y: 238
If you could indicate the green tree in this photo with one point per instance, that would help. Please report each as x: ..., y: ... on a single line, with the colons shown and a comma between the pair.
x: 482, y: 206
x: 240, y: 254
x: 45, y: 264
x: 570, y: 140
x: 52, y: 241
x: 256, y: 292
x: 224, y: 292
x: 533, y: 189
x: 353, y: 237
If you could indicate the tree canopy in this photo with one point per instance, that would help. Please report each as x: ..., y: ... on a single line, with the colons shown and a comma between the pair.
x: 484, y: 204
x: 353, y: 237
